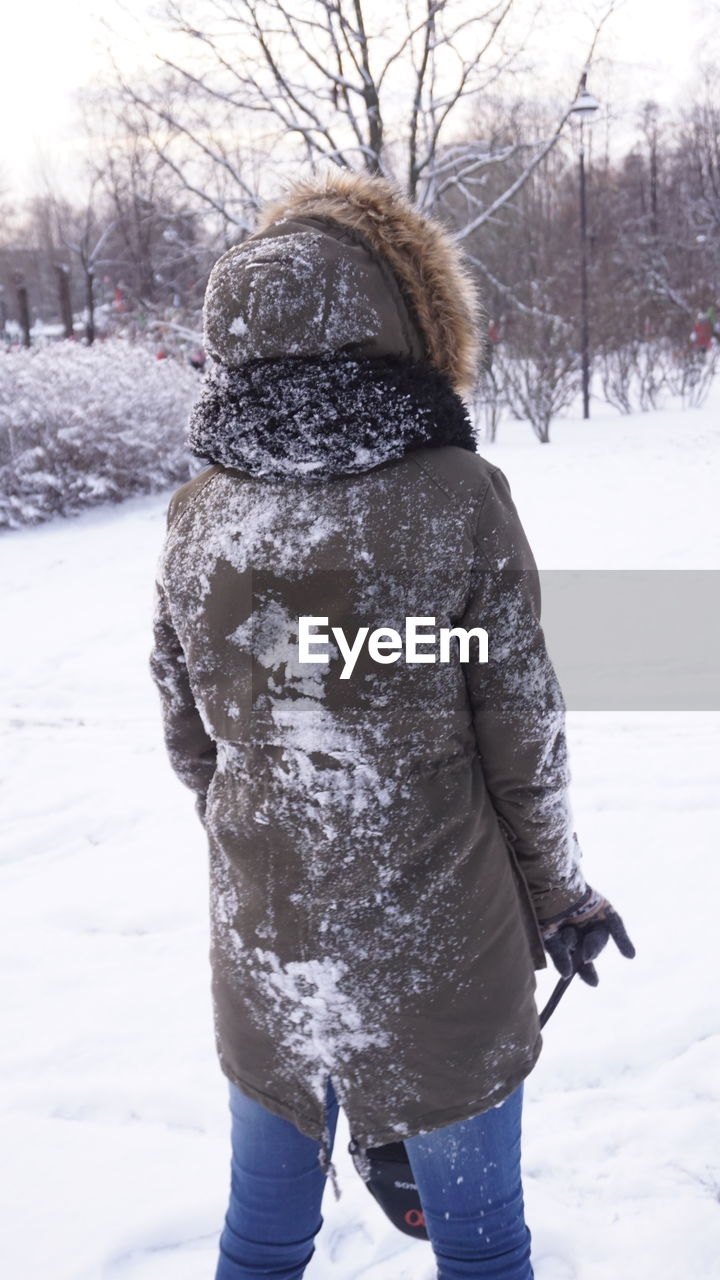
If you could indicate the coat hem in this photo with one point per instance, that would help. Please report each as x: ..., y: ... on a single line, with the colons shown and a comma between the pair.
x: 271, y: 1103
x: 453, y: 1115
x: 426, y: 1123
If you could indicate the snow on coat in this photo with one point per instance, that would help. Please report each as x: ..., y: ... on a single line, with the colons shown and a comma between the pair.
x: 382, y: 846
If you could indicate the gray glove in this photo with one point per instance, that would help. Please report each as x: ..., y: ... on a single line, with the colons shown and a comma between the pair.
x: 576, y: 937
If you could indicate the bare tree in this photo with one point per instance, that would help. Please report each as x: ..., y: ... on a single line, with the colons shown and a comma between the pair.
x: 657, y: 269
x: 155, y: 239
x: 339, y: 81
x: 87, y: 239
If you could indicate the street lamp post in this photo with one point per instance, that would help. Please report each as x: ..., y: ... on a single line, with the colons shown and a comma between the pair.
x: 584, y: 109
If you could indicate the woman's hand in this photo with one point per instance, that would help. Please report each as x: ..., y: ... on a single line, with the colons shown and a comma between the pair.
x: 575, y: 938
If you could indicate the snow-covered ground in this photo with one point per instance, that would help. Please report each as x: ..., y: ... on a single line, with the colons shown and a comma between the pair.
x: 113, y: 1117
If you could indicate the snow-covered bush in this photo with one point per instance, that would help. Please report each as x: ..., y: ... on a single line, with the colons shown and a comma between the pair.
x: 644, y: 374
x: 84, y: 425
x: 689, y: 374
x: 487, y: 403
x: 537, y: 371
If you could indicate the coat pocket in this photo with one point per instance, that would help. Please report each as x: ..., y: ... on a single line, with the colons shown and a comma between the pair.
x: 532, y: 928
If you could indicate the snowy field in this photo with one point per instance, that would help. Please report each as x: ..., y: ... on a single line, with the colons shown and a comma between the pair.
x: 113, y: 1117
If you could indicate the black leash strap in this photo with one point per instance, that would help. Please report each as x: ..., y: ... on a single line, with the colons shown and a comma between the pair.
x: 557, y: 995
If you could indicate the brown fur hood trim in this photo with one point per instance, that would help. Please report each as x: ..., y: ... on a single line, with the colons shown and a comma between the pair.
x: 421, y: 254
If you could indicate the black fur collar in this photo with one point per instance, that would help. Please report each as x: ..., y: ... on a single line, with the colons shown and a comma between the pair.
x: 324, y: 416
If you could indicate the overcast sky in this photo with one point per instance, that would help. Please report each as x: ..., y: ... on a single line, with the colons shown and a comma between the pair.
x: 50, y: 49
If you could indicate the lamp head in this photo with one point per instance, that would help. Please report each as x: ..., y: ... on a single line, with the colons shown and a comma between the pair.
x: 585, y: 106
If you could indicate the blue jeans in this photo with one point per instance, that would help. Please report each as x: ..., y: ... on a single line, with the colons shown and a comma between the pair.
x: 467, y: 1175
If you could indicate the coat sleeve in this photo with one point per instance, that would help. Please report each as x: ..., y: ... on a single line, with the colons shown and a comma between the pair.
x: 518, y: 708
x: 191, y: 750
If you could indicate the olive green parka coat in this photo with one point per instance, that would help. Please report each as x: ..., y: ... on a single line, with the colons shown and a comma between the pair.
x: 382, y: 845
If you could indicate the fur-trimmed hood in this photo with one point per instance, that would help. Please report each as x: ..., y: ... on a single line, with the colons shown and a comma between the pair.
x: 344, y: 263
